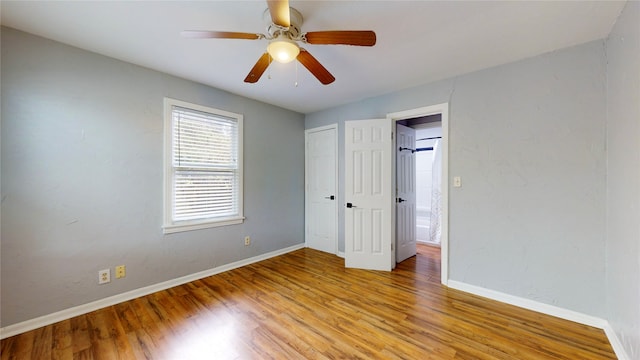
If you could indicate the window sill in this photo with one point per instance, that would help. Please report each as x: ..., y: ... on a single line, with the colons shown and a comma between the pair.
x: 189, y: 226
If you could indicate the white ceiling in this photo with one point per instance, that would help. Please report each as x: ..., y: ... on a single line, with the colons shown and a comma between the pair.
x: 417, y: 41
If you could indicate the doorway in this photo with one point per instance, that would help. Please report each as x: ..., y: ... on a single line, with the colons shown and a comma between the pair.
x: 418, y: 184
x: 431, y: 223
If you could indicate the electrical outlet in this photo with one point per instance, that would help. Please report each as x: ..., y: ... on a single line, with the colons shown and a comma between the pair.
x: 104, y: 276
x: 247, y: 240
x: 120, y: 271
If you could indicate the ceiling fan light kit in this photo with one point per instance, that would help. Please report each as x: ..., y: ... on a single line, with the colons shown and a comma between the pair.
x: 283, y: 50
x: 283, y: 31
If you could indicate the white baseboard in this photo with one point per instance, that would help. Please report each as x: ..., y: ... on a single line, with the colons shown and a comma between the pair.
x: 548, y: 310
x: 65, y: 314
x: 427, y: 243
x: 615, y: 342
x: 340, y: 254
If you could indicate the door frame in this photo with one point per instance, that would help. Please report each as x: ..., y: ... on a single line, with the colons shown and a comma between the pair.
x: 443, y: 110
x: 333, y: 127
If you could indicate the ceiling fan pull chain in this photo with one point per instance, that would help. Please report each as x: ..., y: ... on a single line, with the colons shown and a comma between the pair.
x: 296, y: 83
x: 269, y: 73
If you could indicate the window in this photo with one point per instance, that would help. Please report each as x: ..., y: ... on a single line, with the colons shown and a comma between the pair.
x: 203, y: 167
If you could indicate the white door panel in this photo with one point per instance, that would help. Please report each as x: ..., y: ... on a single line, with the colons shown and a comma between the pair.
x: 368, y: 194
x: 406, y: 193
x: 321, y: 181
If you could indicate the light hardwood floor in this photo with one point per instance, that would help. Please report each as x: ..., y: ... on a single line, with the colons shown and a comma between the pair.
x: 305, y: 304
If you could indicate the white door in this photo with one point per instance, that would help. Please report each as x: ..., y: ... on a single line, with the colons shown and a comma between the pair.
x: 406, y: 193
x: 321, y: 204
x: 369, y: 195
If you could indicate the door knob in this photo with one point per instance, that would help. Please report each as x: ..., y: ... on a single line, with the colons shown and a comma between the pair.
x: 401, y: 200
x: 330, y: 197
x: 350, y: 205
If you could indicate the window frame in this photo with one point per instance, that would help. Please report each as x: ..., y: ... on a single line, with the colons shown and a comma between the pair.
x: 169, y: 225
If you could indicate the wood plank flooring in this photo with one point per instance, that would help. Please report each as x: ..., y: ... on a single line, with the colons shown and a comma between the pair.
x: 306, y: 305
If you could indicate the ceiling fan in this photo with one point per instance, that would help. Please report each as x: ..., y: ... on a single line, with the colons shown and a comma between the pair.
x: 283, y: 33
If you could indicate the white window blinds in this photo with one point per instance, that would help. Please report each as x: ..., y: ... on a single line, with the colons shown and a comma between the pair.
x: 205, y: 159
x: 204, y: 172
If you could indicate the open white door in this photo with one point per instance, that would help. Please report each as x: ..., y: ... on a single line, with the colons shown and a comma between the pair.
x: 321, y: 210
x: 406, y: 193
x: 369, y: 195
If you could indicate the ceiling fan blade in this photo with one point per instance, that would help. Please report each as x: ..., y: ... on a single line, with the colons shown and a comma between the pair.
x: 279, y: 11
x: 259, y: 68
x: 337, y: 37
x: 197, y: 34
x: 315, y: 67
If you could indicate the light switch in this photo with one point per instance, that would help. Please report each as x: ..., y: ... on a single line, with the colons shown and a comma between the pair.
x: 457, y: 182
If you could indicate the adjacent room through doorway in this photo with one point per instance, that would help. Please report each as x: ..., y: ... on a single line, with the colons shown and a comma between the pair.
x: 428, y: 182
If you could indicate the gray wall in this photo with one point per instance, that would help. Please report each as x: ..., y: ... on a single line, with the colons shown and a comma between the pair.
x: 82, y: 178
x: 623, y: 179
x: 528, y: 140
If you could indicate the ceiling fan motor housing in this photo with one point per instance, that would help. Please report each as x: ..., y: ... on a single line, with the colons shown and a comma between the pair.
x: 293, y: 32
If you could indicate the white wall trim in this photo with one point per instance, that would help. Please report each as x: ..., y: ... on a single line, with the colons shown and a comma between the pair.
x: 530, y: 304
x: 65, y: 314
x: 548, y: 310
x: 615, y: 342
